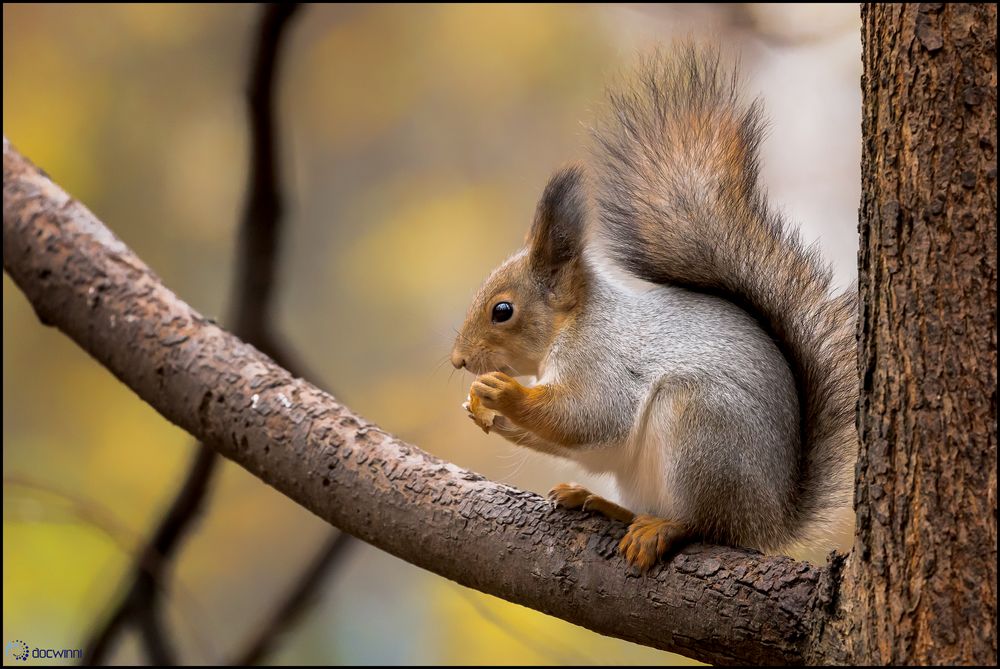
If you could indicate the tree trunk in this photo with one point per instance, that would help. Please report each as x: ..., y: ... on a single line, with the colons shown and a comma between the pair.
x: 923, y: 576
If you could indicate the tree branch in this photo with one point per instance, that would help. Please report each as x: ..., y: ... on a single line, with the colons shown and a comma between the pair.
x: 716, y: 604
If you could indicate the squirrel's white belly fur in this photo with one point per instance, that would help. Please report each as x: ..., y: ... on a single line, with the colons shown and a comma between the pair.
x: 643, y: 467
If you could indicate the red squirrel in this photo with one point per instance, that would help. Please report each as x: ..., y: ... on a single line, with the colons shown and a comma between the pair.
x: 680, y: 336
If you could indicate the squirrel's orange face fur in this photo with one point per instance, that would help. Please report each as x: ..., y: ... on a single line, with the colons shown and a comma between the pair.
x: 536, y: 289
x: 512, y: 339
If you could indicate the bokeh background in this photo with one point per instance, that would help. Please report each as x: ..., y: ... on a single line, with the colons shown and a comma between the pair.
x: 414, y: 143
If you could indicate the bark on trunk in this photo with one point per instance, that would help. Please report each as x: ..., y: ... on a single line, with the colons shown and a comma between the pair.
x: 923, y: 576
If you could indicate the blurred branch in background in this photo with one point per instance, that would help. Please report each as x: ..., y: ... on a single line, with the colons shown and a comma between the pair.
x: 252, y: 302
x: 290, y: 611
x: 86, y: 511
x: 140, y: 587
x: 260, y: 231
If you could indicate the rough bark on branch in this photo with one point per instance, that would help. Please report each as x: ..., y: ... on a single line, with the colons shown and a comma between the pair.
x: 716, y: 604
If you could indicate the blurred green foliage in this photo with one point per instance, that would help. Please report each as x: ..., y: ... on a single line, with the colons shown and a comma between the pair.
x: 414, y: 141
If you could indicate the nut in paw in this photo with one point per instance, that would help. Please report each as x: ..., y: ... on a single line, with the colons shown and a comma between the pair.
x: 483, y: 417
x: 498, y: 391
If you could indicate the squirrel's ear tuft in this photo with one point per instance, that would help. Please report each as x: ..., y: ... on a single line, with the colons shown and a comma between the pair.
x: 556, y: 235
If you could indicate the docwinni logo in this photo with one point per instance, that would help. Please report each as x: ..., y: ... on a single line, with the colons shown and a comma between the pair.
x: 19, y: 650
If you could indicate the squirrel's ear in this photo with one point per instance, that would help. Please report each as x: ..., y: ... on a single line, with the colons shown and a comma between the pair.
x: 556, y: 235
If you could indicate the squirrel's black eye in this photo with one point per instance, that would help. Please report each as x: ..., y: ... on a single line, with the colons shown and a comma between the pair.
x: 502, y: 311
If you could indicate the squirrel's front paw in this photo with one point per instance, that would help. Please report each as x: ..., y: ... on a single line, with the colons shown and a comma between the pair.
x: 499, y: 392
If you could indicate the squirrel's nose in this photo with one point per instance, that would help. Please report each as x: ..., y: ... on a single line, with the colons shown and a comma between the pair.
x: 457, y: 360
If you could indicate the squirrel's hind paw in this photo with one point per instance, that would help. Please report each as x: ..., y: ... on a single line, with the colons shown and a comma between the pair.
x: 575, y: 496
x: 649, y: 538
x: 569, y: 495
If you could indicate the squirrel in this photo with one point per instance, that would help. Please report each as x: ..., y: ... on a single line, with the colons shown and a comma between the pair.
x: 682, y: 338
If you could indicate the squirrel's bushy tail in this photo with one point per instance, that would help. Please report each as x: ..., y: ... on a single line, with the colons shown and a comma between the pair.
x: 679, y: 203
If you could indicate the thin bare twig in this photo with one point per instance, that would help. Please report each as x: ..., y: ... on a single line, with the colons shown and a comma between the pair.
x: 92, y: 514
x: 259, y: 251
x: 252, y: 297
x: 260, y: 232
x: 302, y: 594
x: 140, y: 584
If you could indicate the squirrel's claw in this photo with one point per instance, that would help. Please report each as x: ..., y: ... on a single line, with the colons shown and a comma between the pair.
x: 575, y: 496
x: 569, y: 495
x: 648, y: 539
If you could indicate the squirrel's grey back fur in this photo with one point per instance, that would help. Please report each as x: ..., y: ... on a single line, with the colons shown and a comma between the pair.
x: 679, y: 203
